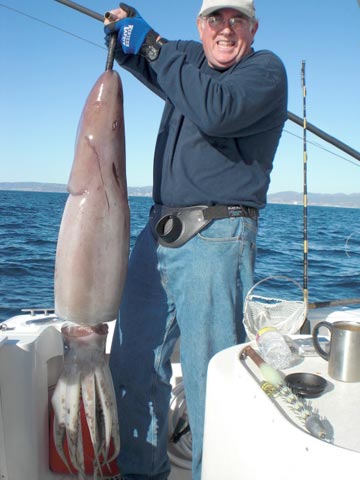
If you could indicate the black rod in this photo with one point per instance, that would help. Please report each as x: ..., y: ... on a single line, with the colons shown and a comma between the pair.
x: 325, y: 136
x: 334, y: 303
x: 111, y: 52
x: 82, y: 9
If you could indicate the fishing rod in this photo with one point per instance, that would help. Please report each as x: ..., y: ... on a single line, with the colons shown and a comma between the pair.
x: 82, y: 9
x: 334, y: 303
x: 325, y: 136
x: 305, y: 329
x: 306, y: 325
x: 291, y: 116
x: 88, y: 11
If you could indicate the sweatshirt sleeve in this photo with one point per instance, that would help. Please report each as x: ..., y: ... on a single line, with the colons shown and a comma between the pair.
x: 237, y: 101
x: 139, y: 67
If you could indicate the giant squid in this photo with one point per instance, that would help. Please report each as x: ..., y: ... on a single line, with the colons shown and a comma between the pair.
x: 90, y: 269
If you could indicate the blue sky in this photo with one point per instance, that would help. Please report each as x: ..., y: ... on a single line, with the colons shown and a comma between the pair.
x: 46, y: 75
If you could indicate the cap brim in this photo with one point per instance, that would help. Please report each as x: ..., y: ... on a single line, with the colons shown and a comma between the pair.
x: 208, y: 11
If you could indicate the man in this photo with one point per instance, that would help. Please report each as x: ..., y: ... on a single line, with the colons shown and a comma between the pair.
x: 192, y: 265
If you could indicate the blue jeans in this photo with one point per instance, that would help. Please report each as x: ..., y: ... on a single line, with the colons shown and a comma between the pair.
x: 196, y: 290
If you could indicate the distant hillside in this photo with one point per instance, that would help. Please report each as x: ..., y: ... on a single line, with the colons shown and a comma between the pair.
x: 291, y: 198
x: 61, y: 188
x: 320, y: 199
x: 33, y: 186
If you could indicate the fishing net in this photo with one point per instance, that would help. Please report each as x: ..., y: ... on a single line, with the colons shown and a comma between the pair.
x: 286, y: 316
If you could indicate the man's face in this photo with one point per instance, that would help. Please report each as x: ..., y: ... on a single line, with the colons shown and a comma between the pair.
x: 225, y: 44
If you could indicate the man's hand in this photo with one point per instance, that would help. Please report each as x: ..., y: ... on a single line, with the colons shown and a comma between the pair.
x: 131, y: 27
x: 134, y: 34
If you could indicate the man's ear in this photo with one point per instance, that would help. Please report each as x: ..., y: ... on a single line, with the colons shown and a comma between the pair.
x: 254, y: 27
x: 200, y: 26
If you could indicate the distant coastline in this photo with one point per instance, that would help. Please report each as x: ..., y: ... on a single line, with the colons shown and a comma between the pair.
x: 289, y: 197
x: 62, y: 188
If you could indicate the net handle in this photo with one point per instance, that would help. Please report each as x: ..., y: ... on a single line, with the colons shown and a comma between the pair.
x: 270, y: 278
x: 247, y: 299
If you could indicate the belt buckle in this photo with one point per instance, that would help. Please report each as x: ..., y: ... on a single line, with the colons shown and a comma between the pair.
x: 236, y: 211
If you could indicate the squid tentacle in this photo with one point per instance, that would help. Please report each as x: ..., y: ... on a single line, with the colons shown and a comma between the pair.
x: 88, y: 390
x: 72, y: 417
x: 58, y: 402
x: 80, y: 454
x: 105, y: 404
x: 112, y: 408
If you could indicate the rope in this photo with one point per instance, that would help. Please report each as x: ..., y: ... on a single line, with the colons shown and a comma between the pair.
x: 180, y: 444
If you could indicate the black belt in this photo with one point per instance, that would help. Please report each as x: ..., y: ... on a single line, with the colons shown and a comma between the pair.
x: 173, y: 226
x: 230, y: 211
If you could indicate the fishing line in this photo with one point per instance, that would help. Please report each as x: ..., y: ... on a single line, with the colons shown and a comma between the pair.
x: 318, y: 145
x: 39, y: 20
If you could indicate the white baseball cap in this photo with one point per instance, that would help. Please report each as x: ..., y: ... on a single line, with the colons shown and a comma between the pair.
x: 246, y: 7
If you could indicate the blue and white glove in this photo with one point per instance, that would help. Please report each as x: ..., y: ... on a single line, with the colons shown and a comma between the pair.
x: 135, y: 35
x: 132, y: 30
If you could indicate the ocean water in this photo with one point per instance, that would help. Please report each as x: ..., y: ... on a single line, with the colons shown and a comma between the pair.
x: 29, y: 224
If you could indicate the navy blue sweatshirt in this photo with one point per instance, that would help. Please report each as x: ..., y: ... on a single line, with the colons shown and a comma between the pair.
x: 219, y: 130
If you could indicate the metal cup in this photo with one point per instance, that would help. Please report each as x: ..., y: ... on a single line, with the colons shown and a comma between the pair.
x: 344, y: 353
